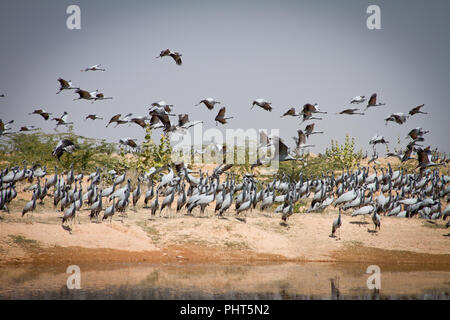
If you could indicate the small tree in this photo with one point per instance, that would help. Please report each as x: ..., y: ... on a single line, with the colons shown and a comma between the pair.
x: 343, y: 156
x: 152, y: 155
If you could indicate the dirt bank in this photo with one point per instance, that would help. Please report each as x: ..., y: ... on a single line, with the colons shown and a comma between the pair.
x: 258, y: 238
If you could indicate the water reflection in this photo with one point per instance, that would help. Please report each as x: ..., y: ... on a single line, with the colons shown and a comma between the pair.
x: 249, y: 282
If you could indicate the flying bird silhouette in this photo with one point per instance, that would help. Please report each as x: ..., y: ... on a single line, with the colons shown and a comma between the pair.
x: 65, y: 85
x: 65, y: 145
x: 93, y: 68
x: 209, y: 103
x: 221, y: 116
x: 351, y: 112
x: 92, y: 117
x: 263, y: 104
x: 42, y: 113
x: 373, y: 102
x: 175, y: 56
x: 416, y: 110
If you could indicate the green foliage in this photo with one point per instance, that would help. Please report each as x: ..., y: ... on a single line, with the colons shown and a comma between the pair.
x: 151, y: 154
x: 343, y: 156
x: 398, y: 148
x: 37, y: 147
x: 311, y: 167
x: 302, y: 203
x: 335, y: 158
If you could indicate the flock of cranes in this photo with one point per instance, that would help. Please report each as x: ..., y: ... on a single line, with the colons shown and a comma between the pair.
x: 382, y: 193
x: 391, y: 193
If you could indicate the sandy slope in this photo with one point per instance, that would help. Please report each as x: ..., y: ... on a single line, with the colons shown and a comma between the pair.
x: 259, y: 236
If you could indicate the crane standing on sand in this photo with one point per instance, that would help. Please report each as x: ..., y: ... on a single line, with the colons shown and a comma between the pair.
x: 336, y: 226
x: 30, y: 206
x: 376, y: 220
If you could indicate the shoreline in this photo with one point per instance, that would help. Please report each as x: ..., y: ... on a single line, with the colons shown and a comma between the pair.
x: 195, y: 240
x: 184, y: 255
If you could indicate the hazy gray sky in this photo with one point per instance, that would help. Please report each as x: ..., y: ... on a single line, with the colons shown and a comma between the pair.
x: 288, y: 52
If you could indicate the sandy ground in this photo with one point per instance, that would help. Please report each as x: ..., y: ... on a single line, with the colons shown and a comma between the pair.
x: 257, y: 237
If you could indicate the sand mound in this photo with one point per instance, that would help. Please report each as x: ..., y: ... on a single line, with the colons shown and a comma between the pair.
x: 260, y: 235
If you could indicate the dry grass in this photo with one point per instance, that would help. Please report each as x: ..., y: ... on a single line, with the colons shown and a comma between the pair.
x: 24, y: 243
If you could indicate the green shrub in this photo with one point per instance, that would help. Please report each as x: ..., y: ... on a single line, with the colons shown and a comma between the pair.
x: 151, y: 154
x: 37, y: 147
x: 334, y: 159
x: 343, y: 156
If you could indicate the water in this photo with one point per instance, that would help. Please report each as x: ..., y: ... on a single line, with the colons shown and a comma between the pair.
x: 249, y: 282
